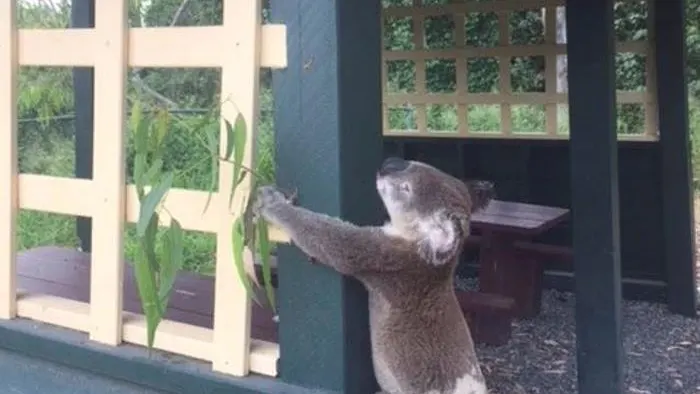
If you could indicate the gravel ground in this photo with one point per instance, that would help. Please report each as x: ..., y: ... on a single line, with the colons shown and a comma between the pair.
x: 662, y: 351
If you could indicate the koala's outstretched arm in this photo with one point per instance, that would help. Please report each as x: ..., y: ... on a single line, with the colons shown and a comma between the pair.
x: 347, y: 248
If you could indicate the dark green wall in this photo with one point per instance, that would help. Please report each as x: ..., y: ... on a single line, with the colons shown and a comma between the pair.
x: 538, y: 172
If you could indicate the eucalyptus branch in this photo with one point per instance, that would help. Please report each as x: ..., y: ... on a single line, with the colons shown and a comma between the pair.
x: 136, y: 72
x: 242, y: 166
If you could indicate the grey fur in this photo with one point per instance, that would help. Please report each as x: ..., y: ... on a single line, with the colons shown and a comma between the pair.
x: 420, y: 340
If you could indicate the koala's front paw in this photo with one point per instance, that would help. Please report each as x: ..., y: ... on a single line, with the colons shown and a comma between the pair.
x: 268, y: 199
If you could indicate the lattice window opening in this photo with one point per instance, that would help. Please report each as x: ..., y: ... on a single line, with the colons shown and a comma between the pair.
x: 505, y: 59
x: 226, y: 346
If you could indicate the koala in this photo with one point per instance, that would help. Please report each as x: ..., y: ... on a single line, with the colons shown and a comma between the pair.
x: 421, y: 343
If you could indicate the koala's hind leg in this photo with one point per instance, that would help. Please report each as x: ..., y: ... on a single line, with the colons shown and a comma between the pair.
x: 327, y: 240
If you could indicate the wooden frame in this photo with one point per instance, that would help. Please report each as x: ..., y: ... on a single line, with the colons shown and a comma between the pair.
x: 504, y: 51
x: 110, y: 48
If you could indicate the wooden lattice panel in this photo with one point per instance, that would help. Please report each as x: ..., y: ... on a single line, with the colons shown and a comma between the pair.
x: 429, y: 63
x: 240, y: 46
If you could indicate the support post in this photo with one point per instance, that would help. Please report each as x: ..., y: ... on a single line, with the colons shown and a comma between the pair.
x: 329, y: 145
x: 83, y: 16
x: 594, y: 189
x: 676, y: 174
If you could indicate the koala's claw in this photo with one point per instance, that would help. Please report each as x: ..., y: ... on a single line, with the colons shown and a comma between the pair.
x: 266, y: 199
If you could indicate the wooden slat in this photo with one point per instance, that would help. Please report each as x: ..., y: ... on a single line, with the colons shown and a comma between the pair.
x: 510, y: 99
x: 470, y: 6
x: 111, y: 21
x: 504, y: 85
x: 239, y: 92
x: 462, y: 88
x: 64, y: 196
x: 651, y: 121
x: 8, y: 158
x: 514, y: 136
x: 171, y: 336
x: 75, y: 197
x: 638, y: 47
x: 199, y: 46
x: 420, y: 64
x: 550, y: 70
x: 191, y: 46
x: 54, y: 310
x: 57, y: 47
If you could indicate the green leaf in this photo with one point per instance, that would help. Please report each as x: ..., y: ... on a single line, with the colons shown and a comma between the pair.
x: 148, y: 242
x: 238, y: 245
x: 239, y: 135
x: 211, y: 145
x: 150, y: 175
x: 147, y: 294
x: 139, y: 169
x: 142, y: 126
x: 161, y: 130
x: 151, y: 201
x: 136, y: 116
x: 230, y: 140
x: 170, y: 262
x: 264, y: 247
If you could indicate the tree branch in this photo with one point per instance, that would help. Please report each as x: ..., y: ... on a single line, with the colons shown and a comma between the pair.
x: 136, y: 72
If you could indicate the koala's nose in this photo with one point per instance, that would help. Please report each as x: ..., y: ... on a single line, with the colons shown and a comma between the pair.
x: 392, y: 165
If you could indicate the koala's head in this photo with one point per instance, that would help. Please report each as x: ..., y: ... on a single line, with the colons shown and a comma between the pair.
x: 429, y: 206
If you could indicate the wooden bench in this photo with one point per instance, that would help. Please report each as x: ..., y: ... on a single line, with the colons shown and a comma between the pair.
x: 490, y: 316
x: 510, y: 262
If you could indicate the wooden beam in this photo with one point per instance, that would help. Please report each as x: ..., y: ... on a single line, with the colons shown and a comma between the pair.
x: 676, y: 173
x: 9, y: 167
x: 594, y: 188
x: 329, y: 145
x: 83, y: 16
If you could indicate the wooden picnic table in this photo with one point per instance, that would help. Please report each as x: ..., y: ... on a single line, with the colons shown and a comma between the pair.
x: 505, y: 266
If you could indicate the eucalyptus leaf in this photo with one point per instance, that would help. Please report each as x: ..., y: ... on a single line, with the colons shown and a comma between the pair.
x: 230, y: 141
x: 150, y: 175
x: 264, y: 247
x: 238, y: 246
x: 141, y: 137
x: 151, y: 201
x: 239, y: 136
x: 147, y: 294
x: 161, y: 130
x: 139, y: 170
x: 136, y: 117
x: 211, y: 145
x: 171, y: 261
x: 148, y: 241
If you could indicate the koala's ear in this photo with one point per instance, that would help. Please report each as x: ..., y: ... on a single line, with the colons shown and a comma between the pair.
x: 480, y: 193
x: 442, y: 237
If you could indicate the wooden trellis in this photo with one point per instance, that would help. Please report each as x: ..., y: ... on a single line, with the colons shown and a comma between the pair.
x: 415, y: 103
x: 240, y: 46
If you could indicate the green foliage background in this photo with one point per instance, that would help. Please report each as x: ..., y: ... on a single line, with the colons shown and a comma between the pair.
x: 46, y: 104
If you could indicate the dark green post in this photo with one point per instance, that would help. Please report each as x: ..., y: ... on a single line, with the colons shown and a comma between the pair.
x: 329, y: 146
x: 83, y: 16
x: 594, y: 191
x: 672, y: 96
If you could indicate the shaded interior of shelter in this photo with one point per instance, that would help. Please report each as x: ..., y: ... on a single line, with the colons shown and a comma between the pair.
x: 65, y: 272
x: 538, y: 172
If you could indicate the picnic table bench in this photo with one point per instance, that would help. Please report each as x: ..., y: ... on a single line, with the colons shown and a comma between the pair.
x: 510, y: 261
